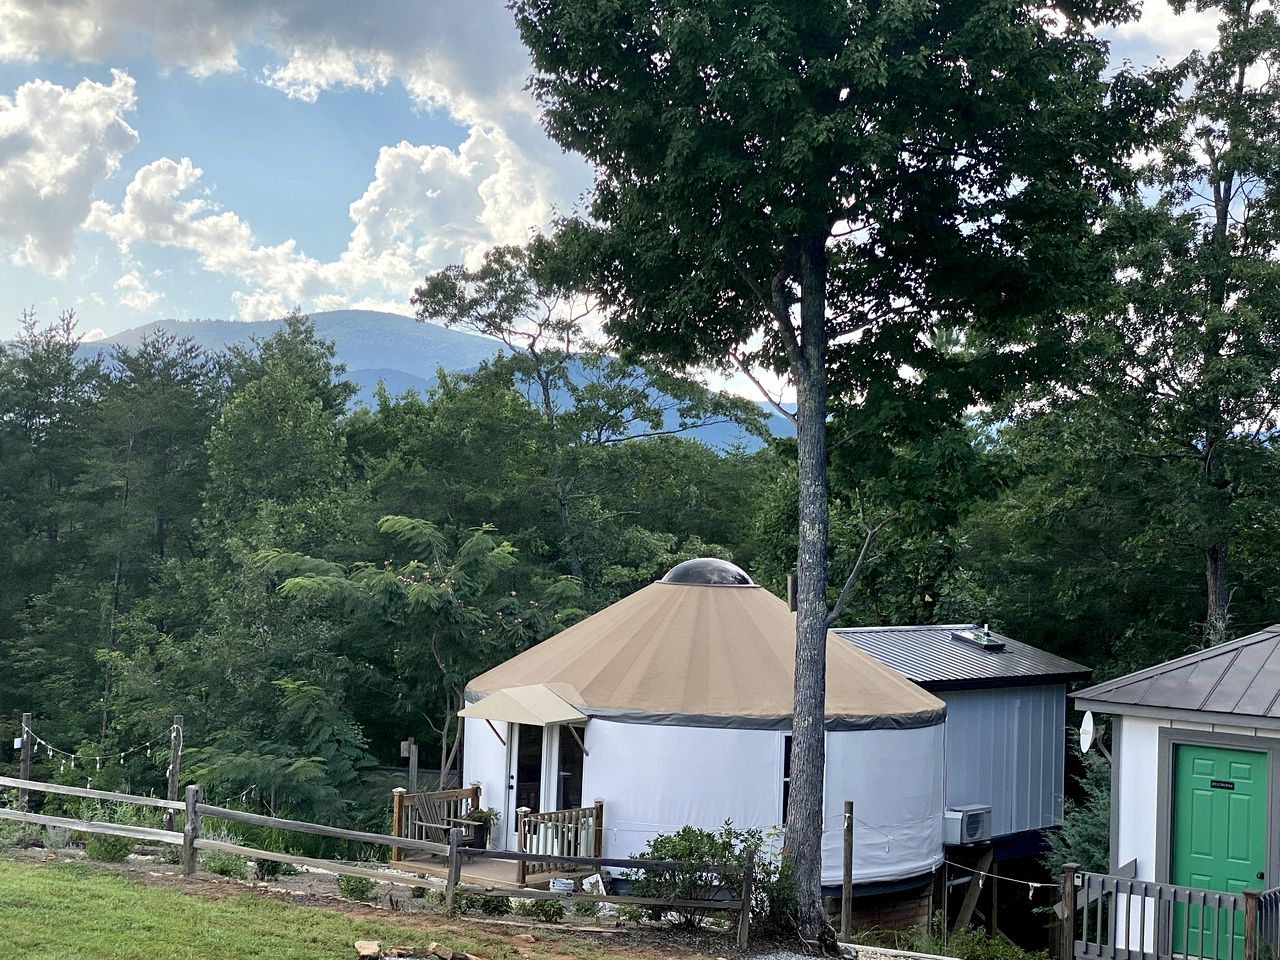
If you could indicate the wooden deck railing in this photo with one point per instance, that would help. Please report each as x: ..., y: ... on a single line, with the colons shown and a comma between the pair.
x: 577, y: 832
x: 430, y: 816
x: 1120, y: 918
x: 1269, y: 923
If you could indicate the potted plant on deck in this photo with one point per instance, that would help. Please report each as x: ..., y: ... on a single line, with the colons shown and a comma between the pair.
x: 484, y: 818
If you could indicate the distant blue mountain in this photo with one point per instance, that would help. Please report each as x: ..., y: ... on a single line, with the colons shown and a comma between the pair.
x: 389, y: 348
x: 363, y: 340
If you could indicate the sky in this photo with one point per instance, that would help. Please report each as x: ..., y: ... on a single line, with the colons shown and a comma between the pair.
x: 237, y: 158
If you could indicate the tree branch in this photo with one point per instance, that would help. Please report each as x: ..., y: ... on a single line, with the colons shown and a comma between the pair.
x: 776, y: 404
x: 843, y: 601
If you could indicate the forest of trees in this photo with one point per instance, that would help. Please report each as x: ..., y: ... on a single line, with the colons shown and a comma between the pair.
x: 1054, y: 399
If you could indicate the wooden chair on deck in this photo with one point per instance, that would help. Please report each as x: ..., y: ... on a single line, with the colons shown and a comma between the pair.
x: 434, y: 821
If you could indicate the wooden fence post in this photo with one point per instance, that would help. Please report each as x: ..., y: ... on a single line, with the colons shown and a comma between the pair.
x: 409, y: 750
x: 397, y: 818
x: 1067, y: 946
x: 744, y: 917
x: 522, y: 842
x: 25, y: 762
x: 175, y: 766
x: 455, y: 872
x: 191, y: 830
x: 599, y: 829
x: 1250, y: 925
x: 846, y: 889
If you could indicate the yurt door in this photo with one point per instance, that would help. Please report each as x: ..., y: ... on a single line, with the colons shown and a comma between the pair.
x: 526, y: 772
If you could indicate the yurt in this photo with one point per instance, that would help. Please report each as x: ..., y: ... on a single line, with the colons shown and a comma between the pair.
x: 672, y: 707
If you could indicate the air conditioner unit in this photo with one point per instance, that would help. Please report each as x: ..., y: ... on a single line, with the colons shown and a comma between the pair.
x: 968, y: 824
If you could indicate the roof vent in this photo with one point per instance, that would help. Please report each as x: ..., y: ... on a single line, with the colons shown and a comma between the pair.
x: 982, y: 639
x: 708, y: 572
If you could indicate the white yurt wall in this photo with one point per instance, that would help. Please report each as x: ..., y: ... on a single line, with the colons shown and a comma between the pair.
x: 895, y: 779
x: 656, y: 779
x: 484, y: 759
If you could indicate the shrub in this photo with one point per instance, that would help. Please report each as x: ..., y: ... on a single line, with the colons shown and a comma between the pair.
x: 357, y: 888
x: 972, y: 943
x: 1085, y: 836
x: 56, y: 838
x: 264, y: 869
x: 107, y: 849
x: 586, y: 909
x: 633, y: 913
x: 711, y: 867
x: 225, y: 865
x: 494, y: 906
x: 418, y: 893
x: 13, y: 834
x: 548, y: 911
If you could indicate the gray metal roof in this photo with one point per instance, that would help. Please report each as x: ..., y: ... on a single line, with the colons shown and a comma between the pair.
x: 1239, y: 678
x: 936, y: 657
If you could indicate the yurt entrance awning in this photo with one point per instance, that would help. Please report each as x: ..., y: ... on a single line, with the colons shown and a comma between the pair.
x: 535, y: 704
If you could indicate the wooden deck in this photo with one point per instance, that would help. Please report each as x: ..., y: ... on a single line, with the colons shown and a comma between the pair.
x: 488, y: 872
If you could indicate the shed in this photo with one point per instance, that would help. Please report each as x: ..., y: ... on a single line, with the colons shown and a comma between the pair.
x: 685, y: 690
x: 1006, y: 719
x: 1195, y: 765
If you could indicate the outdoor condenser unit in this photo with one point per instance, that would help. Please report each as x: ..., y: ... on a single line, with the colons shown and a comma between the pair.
x: 968, y: 824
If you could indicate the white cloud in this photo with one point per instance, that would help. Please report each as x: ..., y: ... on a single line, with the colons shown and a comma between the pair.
x: 1170, y: 35
x: 306, y: 76
x: 132, y: 291
x: 56, y: 146
x: 462, y: 55
x: 94, y: 335
x: 427, y: 206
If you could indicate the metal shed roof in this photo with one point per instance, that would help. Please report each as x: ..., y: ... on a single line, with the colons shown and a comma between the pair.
x: 933, y: 657
x: 1239, y: 678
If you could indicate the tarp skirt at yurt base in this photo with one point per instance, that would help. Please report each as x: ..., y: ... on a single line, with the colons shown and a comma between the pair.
x: 657, y: 779
x: 895, y: 779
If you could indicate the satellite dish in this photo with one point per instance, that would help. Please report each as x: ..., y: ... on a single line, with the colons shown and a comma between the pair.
x: 1086, y: 732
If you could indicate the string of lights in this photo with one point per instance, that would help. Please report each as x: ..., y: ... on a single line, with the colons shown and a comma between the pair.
x: 69, y: 757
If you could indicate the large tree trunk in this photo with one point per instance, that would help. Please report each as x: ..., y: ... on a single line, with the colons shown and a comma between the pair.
x: 808, y: 747
x: 561, y: 486
x: 1219, y: 590
x: 566, y: 529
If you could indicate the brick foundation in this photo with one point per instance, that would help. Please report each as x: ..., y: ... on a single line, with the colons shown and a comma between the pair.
x: 900, y: 911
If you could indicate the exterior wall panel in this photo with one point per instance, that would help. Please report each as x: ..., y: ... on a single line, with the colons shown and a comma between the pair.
x: 1006, y: 746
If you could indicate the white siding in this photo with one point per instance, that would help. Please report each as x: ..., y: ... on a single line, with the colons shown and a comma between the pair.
x: 1135, y: 747
x: 1006, y: 746
x: 484, y: 760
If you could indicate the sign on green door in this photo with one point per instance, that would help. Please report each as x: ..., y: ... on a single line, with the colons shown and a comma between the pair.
x: 1219, y: 839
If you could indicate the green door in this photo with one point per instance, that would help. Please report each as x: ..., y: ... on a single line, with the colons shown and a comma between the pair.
x: 1219, y: 839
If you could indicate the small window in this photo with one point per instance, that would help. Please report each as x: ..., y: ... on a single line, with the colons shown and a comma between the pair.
x: 786, y: 774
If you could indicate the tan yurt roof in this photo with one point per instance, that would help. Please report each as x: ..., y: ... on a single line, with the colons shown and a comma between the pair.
x: 705, y: 650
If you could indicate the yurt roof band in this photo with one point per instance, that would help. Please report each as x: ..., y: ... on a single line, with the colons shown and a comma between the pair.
x: 909, y: 721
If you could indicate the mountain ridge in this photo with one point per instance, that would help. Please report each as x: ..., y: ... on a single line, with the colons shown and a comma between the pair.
x: 390, y: 348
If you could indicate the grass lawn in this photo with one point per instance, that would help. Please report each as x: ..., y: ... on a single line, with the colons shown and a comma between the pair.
x: 54, y: 911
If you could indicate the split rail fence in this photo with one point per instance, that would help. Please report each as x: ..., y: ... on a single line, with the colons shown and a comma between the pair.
x: 194, y: 811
